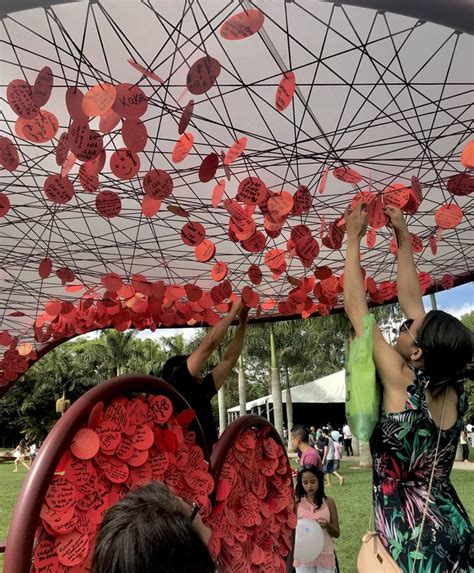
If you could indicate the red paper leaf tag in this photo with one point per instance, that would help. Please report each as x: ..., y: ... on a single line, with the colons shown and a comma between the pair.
x: 20, y: 98
x: 124, y: 164
x: 208, y: 167
x: 158, y: 184
x: 202, y: 75
x: 108, y: 204
x: 193, y: 234
x: 235, y: 151
x: 448, y: 216
x: 43, y: 86
x: 4, y: 204
x: 9, y: 158
x: 58, y: 189
x: 242, y: 25
x: 130, y: 102
x: 285, y: 91
x: 347, y: 175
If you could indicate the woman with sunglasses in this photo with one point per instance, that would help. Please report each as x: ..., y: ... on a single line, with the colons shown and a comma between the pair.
x: 422, y: 378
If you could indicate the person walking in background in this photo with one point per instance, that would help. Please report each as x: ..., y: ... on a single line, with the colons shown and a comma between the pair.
x: 347, y: 436
x: 419, y: 518
x: 312, y: 503
x: 464, y: 446
x: 312, y: 436
x: 20, y: 453
x: 300, y: 441
x: 185, y: 372
x: 321, y: 442
x: 332, y: 458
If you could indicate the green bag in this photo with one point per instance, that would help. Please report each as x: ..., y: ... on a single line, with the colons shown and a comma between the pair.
x: 362, y: 389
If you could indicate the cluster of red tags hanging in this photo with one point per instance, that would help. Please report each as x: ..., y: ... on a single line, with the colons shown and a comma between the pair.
x: 256, y: 214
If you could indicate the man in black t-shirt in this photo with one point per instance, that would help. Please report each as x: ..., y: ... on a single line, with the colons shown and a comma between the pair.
x: 184, y: 372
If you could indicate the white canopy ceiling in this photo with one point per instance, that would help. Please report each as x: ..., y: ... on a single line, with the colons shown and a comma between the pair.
x: 387, y: 95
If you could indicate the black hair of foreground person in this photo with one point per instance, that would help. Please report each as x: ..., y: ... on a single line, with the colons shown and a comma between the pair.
x: 151, y: 531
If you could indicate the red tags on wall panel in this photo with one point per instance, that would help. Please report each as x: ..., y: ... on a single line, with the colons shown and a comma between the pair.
x: 285, y: 91
x: 202, y: 75
x: 242, y: 25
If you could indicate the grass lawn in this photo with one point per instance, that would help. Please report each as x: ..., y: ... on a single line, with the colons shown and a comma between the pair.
x: 353, y: 503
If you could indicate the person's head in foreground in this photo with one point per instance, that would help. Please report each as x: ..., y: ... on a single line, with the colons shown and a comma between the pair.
x: 437, y: 343
x: 152, y: 531
x: 310, y: 483
x: 299, y: 435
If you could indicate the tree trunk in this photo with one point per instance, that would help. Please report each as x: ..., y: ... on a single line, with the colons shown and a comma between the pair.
x: 275, y: 386
x: 365, y: 455
x: 222, y: 410
x: 289, y: 408
x: 242, y: 388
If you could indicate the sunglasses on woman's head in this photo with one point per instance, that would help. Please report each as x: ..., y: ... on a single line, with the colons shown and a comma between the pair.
x: 405, y: 325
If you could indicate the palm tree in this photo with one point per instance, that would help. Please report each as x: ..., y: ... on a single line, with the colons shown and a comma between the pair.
x: 242, y: 387
x: 117, y: 349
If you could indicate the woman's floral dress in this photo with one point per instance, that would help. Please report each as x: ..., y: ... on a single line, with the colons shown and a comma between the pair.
x: 403, y: 448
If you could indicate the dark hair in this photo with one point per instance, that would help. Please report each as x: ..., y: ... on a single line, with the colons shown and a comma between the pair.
x: 299, y: 489
x: 300, y: 432
x: 148, y: 531
x: 171, y: 364
x: 447, y: 349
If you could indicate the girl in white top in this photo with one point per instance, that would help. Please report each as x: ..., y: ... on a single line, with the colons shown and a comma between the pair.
x: 20, y: 453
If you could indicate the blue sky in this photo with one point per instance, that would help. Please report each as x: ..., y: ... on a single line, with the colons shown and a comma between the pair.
x: 457, y: 301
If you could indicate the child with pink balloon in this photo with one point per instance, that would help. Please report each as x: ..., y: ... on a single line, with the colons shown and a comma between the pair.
x: 318, y: 523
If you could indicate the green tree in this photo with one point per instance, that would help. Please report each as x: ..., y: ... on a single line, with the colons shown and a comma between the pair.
x: 468, y: 320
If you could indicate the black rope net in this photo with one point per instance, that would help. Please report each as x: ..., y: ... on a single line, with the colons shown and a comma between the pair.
x: 163, y: 158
